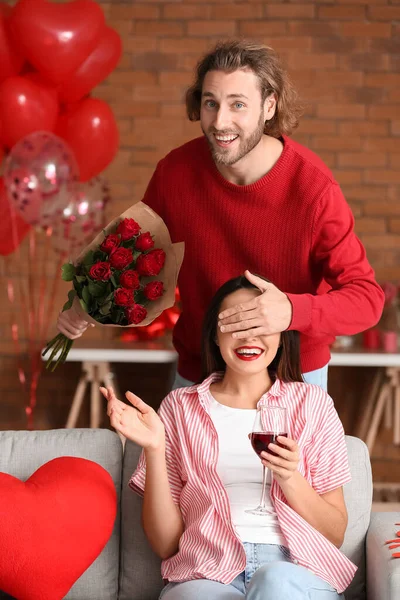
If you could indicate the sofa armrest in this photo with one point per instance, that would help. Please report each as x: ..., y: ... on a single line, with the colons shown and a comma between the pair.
x: 383, y: 571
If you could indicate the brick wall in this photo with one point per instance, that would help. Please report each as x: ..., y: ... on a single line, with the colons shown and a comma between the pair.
x: 344, y: 57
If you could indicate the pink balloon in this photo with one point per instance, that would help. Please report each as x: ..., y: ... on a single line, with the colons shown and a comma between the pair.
x: 41, y: 176
x: 83, y: 218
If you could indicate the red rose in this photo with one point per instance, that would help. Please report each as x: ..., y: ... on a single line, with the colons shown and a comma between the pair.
x: 111, y: 243
x: 135, y: 314
x: 153, y: 290
x: 123, y: 297
x: 100, y: 271
x: 130, y: 279
x: 151, y: 263
x: 144, y: 242
x: 121, y: 258
x: 128, y: 228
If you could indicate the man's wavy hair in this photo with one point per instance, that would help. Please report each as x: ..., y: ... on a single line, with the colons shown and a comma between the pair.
x: 232, y: 55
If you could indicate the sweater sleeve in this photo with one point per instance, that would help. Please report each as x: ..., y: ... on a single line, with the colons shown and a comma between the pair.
x: 355, y: 301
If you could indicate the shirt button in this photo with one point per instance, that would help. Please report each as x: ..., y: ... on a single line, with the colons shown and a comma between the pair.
x: 295, y: 561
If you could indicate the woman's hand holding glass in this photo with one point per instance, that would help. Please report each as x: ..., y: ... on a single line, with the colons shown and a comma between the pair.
x: 139, y: 423
x: 285, y: 464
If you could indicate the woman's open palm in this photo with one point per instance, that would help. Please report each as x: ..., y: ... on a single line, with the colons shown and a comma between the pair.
x: 139, y: 423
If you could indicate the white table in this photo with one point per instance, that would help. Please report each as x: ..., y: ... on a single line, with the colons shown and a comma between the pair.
x: 383, y: 400
x: 97, y: 371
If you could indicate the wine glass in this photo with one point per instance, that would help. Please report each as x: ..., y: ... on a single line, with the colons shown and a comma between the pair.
x: 269, y: 423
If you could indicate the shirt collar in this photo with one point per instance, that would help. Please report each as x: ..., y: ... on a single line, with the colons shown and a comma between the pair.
x: 274, y: 393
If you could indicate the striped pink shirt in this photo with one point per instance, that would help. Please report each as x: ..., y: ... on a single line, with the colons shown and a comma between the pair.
x: 209, y: 547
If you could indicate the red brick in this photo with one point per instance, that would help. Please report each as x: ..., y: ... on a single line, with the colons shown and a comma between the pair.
x: 364, y: 192
x: 360, y: 95
x: 313, y: 28
x: 291, y: 43
x: 184, y: 45
x: 382, y: 80
x: 341, y: 111
x: 135, y: 109
x: 133, y: 11
x: 155, y: 93
x: 146, y: 156
x: 382, y: 176
x: 124, y: 28
x: 339, y: 143
x: 338, y: 44
x: 311, y: 61
x: 360, y: 128
x: 173, y: 110
x: 370, y: 225
x: 317, y: 126
x: 365, y: 61
x: 185, y: 11
x: 345, y: 177
x: 341, y: 12
x: 262, y: 28
x: 289, y: 11
x: 382, y: 207
x: 384, y: 13
x: 383, y: 112
x: 154, y: 61
x: 393, y: 96
x: 209, y: 28
x: 361, y: 2
x: 386, y: 241
x: 381, y: 144
x: 132, y: 78
x: 369, y: 30
x: 340, y: 79
x: 395, y: 127
x: 158, y: 28
x: 361, y: 159
x: 394, y: 225
x: 395, y: 161
x: 175, y: 78
x: 139, y: 44
x: 236, y: 11
x: 329, y: 158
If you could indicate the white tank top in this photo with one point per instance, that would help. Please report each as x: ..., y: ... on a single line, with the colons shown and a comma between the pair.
x: 240, y: 471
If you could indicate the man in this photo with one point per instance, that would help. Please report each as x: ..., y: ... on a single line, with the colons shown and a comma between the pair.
x: 245, y: 197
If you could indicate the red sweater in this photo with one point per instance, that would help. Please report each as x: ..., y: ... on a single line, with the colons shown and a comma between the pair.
x: 293, y: 226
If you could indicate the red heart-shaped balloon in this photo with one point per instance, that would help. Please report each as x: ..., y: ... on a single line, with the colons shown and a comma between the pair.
x: 53, y: 526
x: 11, y: 60
x: 95, y: 69
x: 26, y: 105
x: 90, y: 129
x: 58, y: 38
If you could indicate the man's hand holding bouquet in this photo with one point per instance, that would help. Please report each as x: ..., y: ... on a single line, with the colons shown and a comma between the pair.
x: 126, y: 277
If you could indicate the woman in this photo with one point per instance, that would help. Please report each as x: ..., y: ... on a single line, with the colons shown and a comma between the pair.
x: 198, y: 473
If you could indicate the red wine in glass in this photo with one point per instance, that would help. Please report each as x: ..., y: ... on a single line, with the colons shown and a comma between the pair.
x: 261, y: 439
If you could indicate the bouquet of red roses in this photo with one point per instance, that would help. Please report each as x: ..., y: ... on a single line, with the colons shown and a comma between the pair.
x: 125, y: 277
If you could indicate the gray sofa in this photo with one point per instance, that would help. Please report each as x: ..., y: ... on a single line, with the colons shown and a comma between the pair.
x: 128, y: 570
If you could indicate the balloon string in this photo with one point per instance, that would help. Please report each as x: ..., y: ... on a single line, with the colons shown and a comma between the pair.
x: 15, y: 333
x: 42, y: 289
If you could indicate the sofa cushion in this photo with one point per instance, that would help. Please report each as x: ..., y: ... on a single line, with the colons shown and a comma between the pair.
x: 140, y: 577
x: 23, y: 452
x: 358, y: 498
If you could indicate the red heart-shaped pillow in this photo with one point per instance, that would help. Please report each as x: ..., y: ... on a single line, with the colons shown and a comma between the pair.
x: 53, y: 526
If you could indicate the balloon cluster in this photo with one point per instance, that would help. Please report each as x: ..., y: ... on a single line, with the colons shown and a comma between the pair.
x: 57, y: 137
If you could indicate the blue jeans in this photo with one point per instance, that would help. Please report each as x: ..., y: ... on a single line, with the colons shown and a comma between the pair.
x: 318, y: 377
x: 269, y: 575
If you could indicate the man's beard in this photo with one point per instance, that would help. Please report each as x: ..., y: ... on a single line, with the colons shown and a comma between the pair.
x: 222, y: 156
